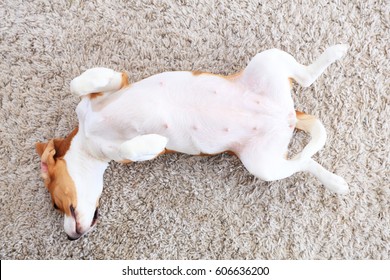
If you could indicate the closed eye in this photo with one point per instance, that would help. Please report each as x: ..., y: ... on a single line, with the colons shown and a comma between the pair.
x: 73, y: 212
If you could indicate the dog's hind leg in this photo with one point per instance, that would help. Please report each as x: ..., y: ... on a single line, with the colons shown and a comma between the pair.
x: 270, y: 71
x: 306, y: 75
x: 270, y: 164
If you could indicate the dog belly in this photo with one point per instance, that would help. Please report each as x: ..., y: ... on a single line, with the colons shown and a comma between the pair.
x: 216, y: 134
x: 198, y: 114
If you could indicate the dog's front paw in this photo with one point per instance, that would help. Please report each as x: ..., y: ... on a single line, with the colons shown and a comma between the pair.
x: 336, y: 52
x: 336, y: 184
x: 96, y: 80
x: 143, y: 147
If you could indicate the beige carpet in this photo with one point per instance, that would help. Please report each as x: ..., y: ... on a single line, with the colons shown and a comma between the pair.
x: 182, y: 207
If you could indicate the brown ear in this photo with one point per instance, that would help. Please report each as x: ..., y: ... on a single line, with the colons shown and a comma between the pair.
x: 46, y: 151
x: 40, y: 148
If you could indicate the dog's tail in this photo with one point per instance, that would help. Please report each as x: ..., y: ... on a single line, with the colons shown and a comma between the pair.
x: 315, y: 129
x: 98, y: 80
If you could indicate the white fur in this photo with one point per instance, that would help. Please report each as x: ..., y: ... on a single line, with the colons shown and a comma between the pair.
x: 87, y: 174
x: 96, y: 80
x: 143, y: 147
x: 252, y: 115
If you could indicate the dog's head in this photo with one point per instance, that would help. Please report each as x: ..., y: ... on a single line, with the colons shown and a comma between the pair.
x: 71, y: 190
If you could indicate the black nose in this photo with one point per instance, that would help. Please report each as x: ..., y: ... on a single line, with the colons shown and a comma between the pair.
x: 72, y: 238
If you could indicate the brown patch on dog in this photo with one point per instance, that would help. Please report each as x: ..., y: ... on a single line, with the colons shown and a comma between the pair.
x: 62, y: 188
x: 291, y: 80
x: 126, y: 161
x: 302, y: 120
x: 63, y: 145
x: 124, y: 83
x: 231, y: 77
x: 197, y: 73
x: 230, y: 153
x: 166, y: 151
x: 55, y: 174
x: 58, y: 145
x: 95, y: 95
x: 125, y: 80
x: 303, y: 116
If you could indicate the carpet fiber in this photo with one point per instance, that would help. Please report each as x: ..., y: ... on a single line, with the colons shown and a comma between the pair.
x: 183, y: 207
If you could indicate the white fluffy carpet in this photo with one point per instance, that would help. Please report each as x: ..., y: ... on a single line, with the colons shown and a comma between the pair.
x: 182, y: 207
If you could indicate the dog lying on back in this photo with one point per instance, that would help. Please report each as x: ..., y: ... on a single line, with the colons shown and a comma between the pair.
x: 250, y: 114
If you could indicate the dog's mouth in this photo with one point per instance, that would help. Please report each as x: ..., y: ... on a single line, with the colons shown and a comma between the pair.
x: 77, y: 229
x: 95, y: 217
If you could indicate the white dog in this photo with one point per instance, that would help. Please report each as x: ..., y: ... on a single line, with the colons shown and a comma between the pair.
x: 250, y: 114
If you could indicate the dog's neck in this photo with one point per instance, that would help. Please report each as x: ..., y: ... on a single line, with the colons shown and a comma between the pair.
x: 83, y: 166
x: 84, y: 149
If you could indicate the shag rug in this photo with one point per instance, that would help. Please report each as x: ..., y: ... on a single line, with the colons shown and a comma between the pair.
x: 183, y: 207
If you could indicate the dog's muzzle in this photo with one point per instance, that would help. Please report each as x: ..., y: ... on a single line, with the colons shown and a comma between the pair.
x: 80, y: 233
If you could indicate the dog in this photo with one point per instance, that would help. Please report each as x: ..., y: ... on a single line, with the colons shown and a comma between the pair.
x: 250, y: 114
